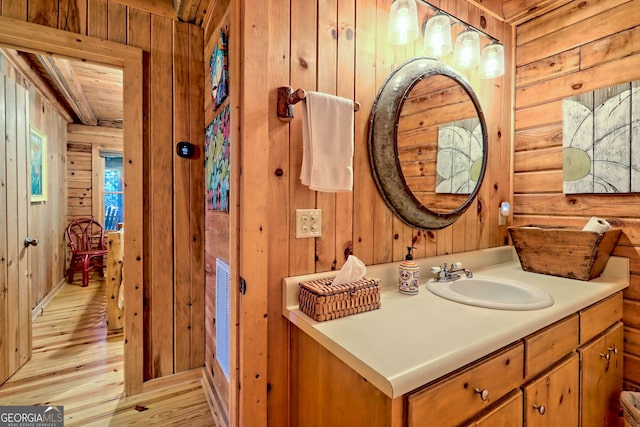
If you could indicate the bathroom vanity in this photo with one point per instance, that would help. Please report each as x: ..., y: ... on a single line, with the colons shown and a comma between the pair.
x: 424, y: 360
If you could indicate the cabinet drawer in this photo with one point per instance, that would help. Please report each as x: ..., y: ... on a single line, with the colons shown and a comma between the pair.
x: 546, y: 347
x: 599, y: 317
x: 453, y: 400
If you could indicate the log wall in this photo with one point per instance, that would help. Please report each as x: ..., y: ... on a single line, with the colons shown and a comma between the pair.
x: 575, y: 48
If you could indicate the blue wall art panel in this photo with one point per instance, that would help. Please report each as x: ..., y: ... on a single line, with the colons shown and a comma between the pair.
x: 219, y: 70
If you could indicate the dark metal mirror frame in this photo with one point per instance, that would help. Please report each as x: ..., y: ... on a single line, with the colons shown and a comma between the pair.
x: 383, y: 144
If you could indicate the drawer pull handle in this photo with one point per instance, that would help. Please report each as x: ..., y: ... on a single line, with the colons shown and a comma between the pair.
x: 613, y: 349
x: 541, y: 409
x: 484, y: 393
x: 606, y: 356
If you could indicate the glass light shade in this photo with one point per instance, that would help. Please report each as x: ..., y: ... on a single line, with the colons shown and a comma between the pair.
x: 437, y: 36
x: 467, y: 53
x: 403, y: 22
x: 492, y: 61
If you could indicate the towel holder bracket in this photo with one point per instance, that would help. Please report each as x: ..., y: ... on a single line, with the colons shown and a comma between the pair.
x: 287, y: 98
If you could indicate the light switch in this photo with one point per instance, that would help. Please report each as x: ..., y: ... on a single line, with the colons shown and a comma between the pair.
x: 308, y: 223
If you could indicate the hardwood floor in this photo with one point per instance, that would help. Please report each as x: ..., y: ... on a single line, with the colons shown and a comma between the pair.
x: 76, y: 363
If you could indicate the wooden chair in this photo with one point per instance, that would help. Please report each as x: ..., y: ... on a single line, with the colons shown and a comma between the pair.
x: 88, y: 248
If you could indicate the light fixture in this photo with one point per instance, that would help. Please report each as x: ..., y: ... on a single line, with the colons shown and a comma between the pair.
x: 467, y: 52
x: 403, y: 29
x: 492, y: 61
x: 437, y: 36
x: 403, y: 22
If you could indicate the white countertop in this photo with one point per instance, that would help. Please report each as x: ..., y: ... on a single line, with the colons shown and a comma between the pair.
x: 412, y: 340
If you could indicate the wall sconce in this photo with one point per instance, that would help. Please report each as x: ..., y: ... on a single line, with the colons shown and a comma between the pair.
x: 403, y: 22
x: 437, y: 36
x: 467, y: 53
x: 492, y: 61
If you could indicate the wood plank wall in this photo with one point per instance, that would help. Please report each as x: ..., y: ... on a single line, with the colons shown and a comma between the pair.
x: 46, y: 220
x: 79, y: 185
x: 338, y: 47
x: 85, y: 168
x: 578, y: 47
x: 161, y: 39
x: 217, y: 223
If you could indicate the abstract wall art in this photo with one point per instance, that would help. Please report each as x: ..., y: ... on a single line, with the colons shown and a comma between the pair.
x: 601, y: 140
x: 219, y: 70
x: 217, y: 162
x: 459, y: 160
x: 38, y: 165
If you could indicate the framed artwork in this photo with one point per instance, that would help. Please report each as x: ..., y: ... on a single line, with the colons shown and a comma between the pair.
x: 217, y: 162
x: 600, y: 140
x: 38, y: 165
x: 219, y: 71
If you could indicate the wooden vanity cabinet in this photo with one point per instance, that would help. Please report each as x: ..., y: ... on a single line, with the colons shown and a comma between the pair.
x: 552, y: 399
x: 601, y: 355
x: 601, y: 379
x: 549, y: 345
x: 460, y: 396
x: 572, y: 368
x: 507, y: 413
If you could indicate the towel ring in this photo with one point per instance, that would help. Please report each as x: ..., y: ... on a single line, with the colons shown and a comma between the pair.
x: 287, y: 98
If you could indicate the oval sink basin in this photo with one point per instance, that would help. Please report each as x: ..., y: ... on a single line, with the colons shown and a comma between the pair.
x: 491, y: 293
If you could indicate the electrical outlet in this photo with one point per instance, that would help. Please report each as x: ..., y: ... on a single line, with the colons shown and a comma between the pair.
x: 308, y: 223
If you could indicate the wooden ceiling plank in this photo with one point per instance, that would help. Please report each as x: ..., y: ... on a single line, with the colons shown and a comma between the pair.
x: 97, y: 130
x: 188, y: 10
x: 21, y: 64
x: 62, y: 74
x: 162, y: 8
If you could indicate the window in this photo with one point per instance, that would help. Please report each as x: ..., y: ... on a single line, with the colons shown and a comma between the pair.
x: 113, y: 192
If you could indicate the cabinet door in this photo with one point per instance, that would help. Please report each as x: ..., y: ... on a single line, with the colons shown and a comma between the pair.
x: 601, y: 376
x: 508, y: 413
x: 552, y: 400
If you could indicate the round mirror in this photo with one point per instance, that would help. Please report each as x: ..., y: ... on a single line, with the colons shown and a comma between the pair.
x: 427, y: 143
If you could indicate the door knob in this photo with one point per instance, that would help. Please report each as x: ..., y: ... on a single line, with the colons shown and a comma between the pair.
x: 30, y: 242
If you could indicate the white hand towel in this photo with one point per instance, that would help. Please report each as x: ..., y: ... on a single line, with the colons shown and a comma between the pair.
x: 327, y: 136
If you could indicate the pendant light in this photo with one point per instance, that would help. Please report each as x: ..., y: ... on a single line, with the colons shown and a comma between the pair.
x: 467, y: 52
x: 492, y: 61
x: 437, y: 36
x: 403, y: 22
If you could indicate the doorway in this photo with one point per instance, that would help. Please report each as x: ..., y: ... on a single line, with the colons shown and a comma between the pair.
x: 39, y: 39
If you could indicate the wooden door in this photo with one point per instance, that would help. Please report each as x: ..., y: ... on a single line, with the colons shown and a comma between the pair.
x: 601, y: 384
x: 15, y: 310
x: 552, y: 400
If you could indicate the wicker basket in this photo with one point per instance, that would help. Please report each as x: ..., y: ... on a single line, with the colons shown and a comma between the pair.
x: 630, y: 402
x: 322, y: 301
x: 563, y: 251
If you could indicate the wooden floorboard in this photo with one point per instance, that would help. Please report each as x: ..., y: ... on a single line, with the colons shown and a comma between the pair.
x: 78, y: 364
